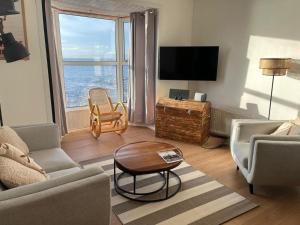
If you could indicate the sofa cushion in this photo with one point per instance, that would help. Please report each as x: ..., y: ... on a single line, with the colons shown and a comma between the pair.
x: 242, y: 151
x: 53, y: 159
x: 8, y: 135
x: 61, y: 173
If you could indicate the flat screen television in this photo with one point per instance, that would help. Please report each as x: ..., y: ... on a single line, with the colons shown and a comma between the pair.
x: 189, y: 63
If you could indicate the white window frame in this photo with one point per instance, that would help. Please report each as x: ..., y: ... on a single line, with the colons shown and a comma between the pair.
x: 120, y: 59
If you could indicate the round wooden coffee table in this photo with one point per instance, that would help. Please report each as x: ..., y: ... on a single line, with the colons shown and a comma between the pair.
x: 141, y: 158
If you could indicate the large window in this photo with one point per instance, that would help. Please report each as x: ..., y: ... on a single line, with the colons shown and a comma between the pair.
x: 95, y: 54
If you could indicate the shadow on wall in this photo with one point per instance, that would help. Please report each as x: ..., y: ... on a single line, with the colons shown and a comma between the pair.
x: 221, y: 117
x: 294, y: 71
x: 274, y: 99
x: 251, y: 111
x: 213, y: 25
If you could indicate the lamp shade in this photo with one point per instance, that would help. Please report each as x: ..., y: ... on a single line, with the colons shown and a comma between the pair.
x: 13, y: 50
x: 7, y: 7
x: 275, y: 66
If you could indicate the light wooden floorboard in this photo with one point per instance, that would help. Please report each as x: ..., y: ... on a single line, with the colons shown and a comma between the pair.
x: 278, y: 205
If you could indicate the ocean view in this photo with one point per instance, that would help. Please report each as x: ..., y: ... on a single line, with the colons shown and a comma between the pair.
x: 88, y: 39
x: 78, y: 80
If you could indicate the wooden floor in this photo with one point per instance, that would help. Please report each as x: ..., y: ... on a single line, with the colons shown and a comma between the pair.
x: 277, y: 205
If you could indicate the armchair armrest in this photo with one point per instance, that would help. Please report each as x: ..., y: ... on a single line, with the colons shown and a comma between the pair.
x: 243, y: 129
x: 40, y: 136
x: 274, y: 160
x: 274, y: 138
x: 79, y: 199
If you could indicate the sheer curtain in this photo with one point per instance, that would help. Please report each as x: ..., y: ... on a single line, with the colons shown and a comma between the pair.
x: 58, y: 99
x: 142, y: 65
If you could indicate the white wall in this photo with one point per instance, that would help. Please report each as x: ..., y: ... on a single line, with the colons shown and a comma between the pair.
x: 24, y: 87
x: 175, y: 29
x: 247, y: 31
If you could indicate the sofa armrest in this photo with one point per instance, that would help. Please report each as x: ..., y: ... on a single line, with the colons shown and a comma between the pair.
x: 243, y: 129
x: 40, y: 136
x: 78, y: 199
x: 275, y: 161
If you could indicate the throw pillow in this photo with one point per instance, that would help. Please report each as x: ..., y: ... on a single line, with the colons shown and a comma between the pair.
x: 10, y: 151
x: 8, y: 135
x: 283, y: 129
x: 17, y: 169
x: 288, y: 128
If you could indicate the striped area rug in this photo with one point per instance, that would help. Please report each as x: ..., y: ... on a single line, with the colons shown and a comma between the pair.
x: 201, y: 200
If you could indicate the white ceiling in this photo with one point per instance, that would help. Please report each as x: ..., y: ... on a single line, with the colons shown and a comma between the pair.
x: 113, y: 7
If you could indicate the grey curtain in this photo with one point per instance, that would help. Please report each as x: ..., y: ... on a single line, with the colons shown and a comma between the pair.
x: 142, y: 65
x: 59, y: 106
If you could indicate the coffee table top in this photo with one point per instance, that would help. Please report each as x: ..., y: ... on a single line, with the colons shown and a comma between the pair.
x: 142, y: 157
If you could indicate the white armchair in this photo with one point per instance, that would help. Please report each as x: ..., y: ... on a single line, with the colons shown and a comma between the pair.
x: 264, y: 159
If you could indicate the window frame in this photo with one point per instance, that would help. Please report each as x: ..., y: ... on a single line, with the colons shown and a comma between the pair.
x: 119, y: 44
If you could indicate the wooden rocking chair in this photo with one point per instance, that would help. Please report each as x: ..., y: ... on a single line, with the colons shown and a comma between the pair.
x: 103, y: 116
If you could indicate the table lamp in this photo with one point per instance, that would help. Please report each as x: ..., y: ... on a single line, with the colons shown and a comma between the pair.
x: 274, y: 67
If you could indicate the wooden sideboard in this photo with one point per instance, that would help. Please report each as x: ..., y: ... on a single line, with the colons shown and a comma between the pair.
x: 186, y: 120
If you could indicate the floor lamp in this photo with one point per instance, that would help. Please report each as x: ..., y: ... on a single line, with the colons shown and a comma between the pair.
x: 1, y: 120
x: 274, y: 67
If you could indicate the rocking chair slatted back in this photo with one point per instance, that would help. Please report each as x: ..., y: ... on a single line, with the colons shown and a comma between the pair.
x: 98, y: 96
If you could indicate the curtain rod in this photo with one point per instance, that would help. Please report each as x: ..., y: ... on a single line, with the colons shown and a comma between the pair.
x: 87, y: 13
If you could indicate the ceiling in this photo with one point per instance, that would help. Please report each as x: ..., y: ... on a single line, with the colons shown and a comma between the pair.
x: 113, y: 7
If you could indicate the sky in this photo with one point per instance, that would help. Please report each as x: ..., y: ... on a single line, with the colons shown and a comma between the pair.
x: 89, y: 38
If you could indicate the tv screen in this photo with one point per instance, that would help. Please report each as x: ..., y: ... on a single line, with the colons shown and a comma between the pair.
x: 189, y: 63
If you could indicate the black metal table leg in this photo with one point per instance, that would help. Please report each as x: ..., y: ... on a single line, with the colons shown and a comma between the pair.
x: 167, y: 187
x: 115, y: 171
x: 134, y: 184
x: 128, y: 194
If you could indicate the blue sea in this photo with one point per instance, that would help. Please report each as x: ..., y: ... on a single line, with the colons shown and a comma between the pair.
x: 79, y: 79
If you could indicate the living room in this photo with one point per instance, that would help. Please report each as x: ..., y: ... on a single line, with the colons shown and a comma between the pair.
x: 236, y: 137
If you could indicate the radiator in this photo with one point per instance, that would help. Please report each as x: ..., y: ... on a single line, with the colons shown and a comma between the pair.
x: 221, y: 120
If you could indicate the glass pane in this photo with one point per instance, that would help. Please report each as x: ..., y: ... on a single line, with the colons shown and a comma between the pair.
x: 126, y: 31
x: 87, y: 39
x: 79, y: 79
x: 125, y: 82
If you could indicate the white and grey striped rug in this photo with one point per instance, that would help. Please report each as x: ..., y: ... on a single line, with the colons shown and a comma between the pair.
x: 201, y: 200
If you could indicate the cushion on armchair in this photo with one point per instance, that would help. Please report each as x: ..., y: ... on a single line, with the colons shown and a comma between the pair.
x: 288, y: 128
x: 18, y: 169
x: 242, y: 155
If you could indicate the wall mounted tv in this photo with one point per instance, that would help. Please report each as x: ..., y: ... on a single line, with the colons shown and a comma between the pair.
x: 189, y: 63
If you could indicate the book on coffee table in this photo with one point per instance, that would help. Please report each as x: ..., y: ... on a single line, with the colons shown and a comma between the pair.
x: 170, y: 156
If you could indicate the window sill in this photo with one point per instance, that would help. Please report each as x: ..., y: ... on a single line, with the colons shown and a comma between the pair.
x: 83, y: 108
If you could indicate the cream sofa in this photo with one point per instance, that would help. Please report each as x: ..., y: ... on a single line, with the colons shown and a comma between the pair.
x: 264, y: 159
x: 72, y: 195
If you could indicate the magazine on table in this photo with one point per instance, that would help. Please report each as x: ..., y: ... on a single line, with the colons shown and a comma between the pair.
x: 170, y: 156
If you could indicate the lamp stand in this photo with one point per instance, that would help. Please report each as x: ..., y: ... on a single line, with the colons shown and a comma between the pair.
x: 271, y: 96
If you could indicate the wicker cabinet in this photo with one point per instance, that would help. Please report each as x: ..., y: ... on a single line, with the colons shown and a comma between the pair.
x: 187, y: 121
